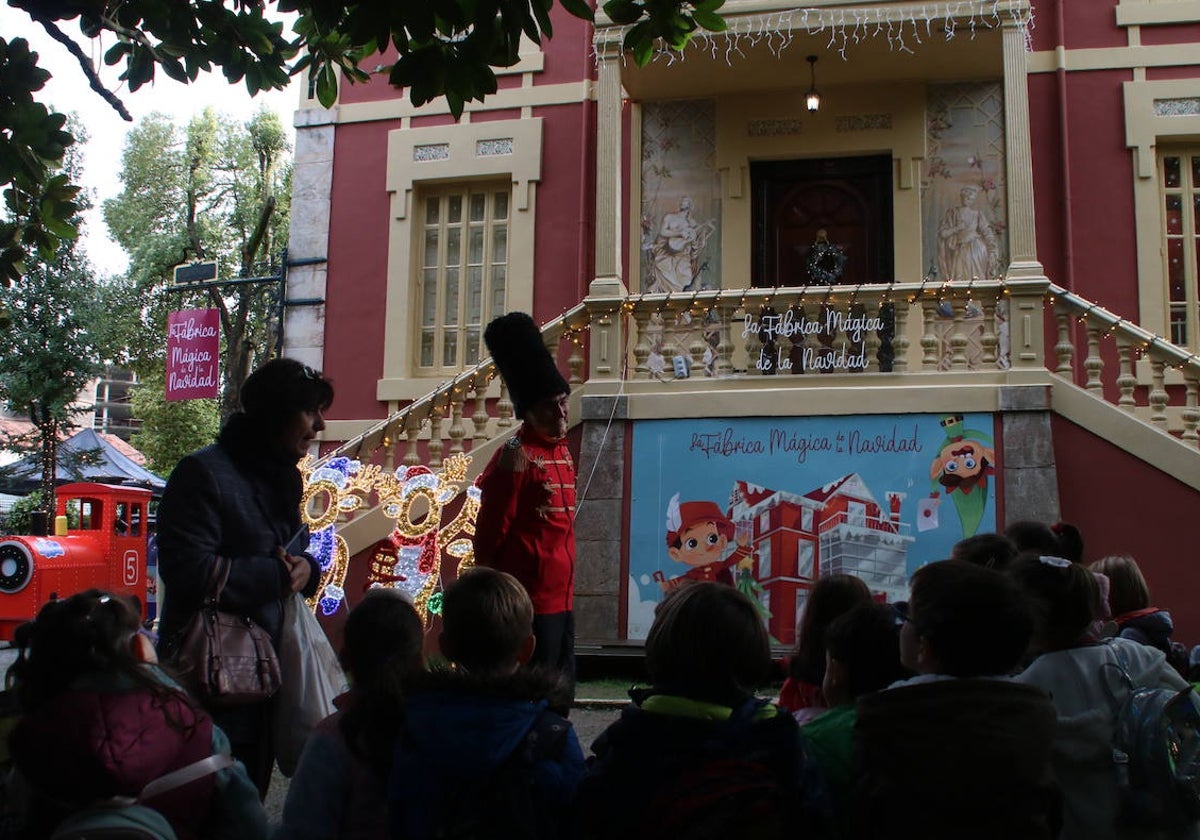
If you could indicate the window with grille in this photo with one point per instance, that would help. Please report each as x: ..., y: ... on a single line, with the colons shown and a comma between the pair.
x: 1179, y: 176
x: 463, y: 258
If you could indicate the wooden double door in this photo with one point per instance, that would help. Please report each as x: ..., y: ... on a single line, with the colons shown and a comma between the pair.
x: 849, y: 199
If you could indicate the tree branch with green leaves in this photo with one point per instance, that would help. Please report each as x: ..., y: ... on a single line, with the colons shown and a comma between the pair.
x: 447, y: 49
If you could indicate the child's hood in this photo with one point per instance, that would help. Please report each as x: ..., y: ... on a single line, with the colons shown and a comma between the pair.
x: 459, y: 720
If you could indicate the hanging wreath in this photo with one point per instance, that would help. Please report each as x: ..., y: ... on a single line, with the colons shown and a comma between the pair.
x: 826, y: 262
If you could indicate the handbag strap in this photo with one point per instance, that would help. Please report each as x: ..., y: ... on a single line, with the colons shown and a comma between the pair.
x: 185, y: 775
x: 217, y: 577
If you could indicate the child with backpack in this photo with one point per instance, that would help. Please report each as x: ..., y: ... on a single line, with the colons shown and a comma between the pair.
x: 862, y: 656
x: 485, y: 749
x: 339, y: 789
x: 831, y: 596
x: 1133, y: 616
x: 697, y: 755
x: 1090, y: 682
x: 960, y: 750
x: 106, y: 739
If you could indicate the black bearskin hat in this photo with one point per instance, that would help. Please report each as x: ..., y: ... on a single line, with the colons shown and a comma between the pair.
x: 523, y: 360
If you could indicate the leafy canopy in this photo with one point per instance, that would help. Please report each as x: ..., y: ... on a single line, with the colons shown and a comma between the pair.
x: 442, y: 48
x: 218, y: 190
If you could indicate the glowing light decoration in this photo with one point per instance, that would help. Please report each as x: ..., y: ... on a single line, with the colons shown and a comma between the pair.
x: 426, y: 535
x: 339, y: 487
x: 905, y: 28
x: 423, y: 540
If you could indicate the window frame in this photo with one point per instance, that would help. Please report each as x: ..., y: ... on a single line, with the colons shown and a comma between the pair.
x: 1188, y: 235
x: 424, y: 158
x: 443, y: 226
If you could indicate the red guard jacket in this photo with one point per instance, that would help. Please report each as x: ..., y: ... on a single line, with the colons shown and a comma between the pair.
x: 526, y: 521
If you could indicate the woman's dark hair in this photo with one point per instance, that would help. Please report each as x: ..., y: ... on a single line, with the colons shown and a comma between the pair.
x: 867, y: 641
x: 87, y: 634
x: 1028, y: 535
x: 1063, y: 595
x: 708, y: 642
x: 974, y: 620
x: 282, y: 388
x: 833, y: 595
x: 381, y: 648
x: 993, y: 551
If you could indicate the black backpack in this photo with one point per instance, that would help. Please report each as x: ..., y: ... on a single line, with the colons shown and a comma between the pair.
x: 1156, y: 751
x: 506, y: 803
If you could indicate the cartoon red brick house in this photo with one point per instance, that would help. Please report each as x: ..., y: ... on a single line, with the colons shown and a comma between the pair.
x: 836, y: 528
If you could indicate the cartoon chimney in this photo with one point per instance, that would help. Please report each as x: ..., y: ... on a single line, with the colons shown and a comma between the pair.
x: 894, y: 499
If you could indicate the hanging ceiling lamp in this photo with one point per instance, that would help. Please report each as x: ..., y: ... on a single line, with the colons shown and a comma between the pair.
x: 812, y: 99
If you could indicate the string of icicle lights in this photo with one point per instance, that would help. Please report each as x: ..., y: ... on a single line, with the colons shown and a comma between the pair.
x: 905, y: 28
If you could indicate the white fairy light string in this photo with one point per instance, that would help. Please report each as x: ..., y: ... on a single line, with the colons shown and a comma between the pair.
x: 904, y: 27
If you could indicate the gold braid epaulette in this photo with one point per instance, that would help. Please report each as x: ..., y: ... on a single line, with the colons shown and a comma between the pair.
x: 513, y: 457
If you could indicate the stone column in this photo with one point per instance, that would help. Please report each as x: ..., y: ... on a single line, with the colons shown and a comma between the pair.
x: 1027, y: 463
x: 308, y: 238
x: 598, y: 523
x: 1022, y: 244
x: 608, y: 166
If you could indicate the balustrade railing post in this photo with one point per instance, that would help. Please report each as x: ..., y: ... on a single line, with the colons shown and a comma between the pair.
x: 575, y: 361
x: 1126, y: 378
x: 1094, y: 363
x: 958, y: 336
x: 931, y: 345
x: 988, y: 339
x: 457, y: 430
x: 696, y: 347
x: 641, y: 348
x: 389, y: 446
x: 1158, y: 393
x: 412, y: 429
x: 479, y: 419
x: 1190, y: 415
x: 504, y: 407
x: 436, y: 446
x: 900, y: 341
x: 724, y: 343
x: 1064, y: 348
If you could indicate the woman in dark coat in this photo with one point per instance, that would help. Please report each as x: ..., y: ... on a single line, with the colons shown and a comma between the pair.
x: 240, y: 499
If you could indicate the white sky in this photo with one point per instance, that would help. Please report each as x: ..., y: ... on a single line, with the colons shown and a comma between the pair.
x: 68, y: 90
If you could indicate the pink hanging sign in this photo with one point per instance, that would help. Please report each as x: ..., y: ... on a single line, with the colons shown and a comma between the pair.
x: 193, y: 351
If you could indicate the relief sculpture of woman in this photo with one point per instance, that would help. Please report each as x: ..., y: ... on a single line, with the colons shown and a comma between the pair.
x: 966, y: 241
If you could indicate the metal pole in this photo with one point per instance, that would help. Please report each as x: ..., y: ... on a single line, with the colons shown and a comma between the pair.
x: 283, y: 272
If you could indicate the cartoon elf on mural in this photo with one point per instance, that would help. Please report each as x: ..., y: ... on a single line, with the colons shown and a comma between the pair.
x: 697, y: 535
x: 962, y: 467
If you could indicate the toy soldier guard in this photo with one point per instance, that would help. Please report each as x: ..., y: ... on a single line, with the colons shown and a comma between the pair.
x: 526, y: 522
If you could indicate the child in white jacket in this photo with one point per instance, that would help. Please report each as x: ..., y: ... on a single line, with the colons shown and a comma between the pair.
x: 1083, y: 677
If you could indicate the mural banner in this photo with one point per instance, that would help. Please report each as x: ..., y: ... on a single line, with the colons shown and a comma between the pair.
x: 769, y: 504
x: 193, y: 349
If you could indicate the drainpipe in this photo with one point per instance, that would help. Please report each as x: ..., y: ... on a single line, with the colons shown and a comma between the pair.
x: 1060, y: 74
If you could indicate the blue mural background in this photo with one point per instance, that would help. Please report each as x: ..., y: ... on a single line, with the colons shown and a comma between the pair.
x: 701, y: 459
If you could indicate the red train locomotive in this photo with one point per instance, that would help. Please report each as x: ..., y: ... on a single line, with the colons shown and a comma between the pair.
x: 105, y: 550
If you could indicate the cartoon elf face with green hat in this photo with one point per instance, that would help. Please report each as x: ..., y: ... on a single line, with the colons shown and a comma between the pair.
x: 962, y: 466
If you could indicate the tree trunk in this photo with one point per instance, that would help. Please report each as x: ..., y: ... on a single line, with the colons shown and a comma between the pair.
x: 48, y: 427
